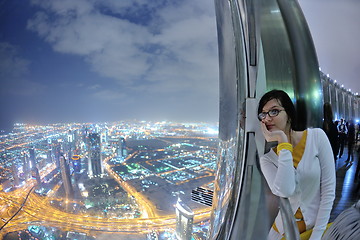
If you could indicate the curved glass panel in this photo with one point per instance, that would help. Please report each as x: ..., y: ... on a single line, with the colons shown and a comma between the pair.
x: 326, y: 91
x: 333, y: 101
x: 231, y: 125
x: 341, y: 103
x: 266, y: 33
x: 344, y: 103
x: 347, y: 105
x: 290, y: 58
x: 77, y: 75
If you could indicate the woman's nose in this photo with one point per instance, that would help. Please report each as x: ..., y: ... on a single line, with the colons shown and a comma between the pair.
x: 267, y: 118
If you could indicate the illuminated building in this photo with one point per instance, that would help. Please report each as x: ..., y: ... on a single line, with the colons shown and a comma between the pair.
x: 76, y: 162
x: 26, y: 165
x: 122, y: 152
x: 152, y: 236
x: 95, y: 167
x: 104, y: 136
x: 56, y: 150
x: 34, y: 170
x: 35, y: 175
x: 69, y: 146
x: 202, y: 196
x: 97, y: 128
x: 15, y: 174
x: 65, y: 174
x: 49, y: 156
x: 32, y: 157
x: 184, y: 221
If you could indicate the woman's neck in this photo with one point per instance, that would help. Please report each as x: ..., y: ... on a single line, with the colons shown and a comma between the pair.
x: 294, y: 137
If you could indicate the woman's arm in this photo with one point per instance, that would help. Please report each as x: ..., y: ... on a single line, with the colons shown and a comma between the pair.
x: 281, y: 178
x: 327, y: 184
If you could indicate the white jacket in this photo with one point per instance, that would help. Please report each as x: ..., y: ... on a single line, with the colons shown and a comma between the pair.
x: 311, y: 186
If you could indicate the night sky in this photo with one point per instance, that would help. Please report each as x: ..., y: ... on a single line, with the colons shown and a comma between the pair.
x: 110, y: 60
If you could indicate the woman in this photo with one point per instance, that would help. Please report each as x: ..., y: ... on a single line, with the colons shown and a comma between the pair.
x: 300, y: 168
x: 330, y: 129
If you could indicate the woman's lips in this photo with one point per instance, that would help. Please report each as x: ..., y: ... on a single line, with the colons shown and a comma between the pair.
x: 269, y: 127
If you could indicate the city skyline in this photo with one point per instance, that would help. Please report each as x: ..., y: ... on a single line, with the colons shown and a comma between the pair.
x: 135, y: 194
x: 96, y: 61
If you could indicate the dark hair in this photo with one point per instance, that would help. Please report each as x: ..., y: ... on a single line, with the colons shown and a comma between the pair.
x: 328, y: 117
x: 285, y: 102
x: 328, y: 114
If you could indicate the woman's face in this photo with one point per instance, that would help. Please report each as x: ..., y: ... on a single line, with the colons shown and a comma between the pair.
x: 279, y: 122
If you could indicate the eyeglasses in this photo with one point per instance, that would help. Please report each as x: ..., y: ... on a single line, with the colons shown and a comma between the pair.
x: 271, y: 113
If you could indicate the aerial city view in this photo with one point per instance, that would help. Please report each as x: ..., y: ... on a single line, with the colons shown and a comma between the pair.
x: 98, y: 181
x: 137, y: 119
x: 74, y: 164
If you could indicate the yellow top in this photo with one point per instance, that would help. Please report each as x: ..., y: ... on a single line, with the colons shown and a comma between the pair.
x: 297, y: 154
x: 299, y: 149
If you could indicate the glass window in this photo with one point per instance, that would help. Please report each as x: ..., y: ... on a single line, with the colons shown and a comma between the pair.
x: 109, y: 118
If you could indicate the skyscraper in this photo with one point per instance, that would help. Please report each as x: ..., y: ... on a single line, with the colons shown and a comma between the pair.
x: 95, y: 167
x: 202, y: 196
x: 65, y: 174
x: 34, y: 170
x: 122, y: 152
x: 76, y: 162
x: 49, y: 156
x: 26, y: 165
x: 49, y: 151
x: 69, y: 144
x: 184, y: 221
x: 15, y: 174
x: 32, y: 157
x: 56, y: 150
x: 104, y: 136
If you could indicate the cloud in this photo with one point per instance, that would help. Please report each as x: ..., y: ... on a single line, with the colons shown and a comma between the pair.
x: 13, y: 71
x: 109, y: 95
x: 150, y: 46
x: 12, y: 65
x: 94, y: 87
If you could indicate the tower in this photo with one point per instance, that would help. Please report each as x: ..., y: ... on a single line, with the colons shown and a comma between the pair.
x: 34, y: 170
x: 49, y: 156
x: 76, y: 163
x: 26, y: 165
x: 32, y: 157
x: 104, y: 136
x: 65, y: 174
x: 15, y: 174
x: 94, y: 165
x: 122, y: 152
x: 184, y: 221
x: 56, y: 150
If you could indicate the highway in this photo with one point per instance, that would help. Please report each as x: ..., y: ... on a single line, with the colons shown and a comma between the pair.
x: 23, y: 207
x: 38, y: 210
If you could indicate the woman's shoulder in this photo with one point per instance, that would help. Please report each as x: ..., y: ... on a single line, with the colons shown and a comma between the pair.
x: 315, y: 130
x: 316, y: 133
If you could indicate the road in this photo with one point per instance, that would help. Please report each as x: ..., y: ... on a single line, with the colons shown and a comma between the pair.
x: 38, y: 210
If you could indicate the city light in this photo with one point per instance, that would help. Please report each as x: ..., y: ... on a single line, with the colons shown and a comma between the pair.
x: 143, y: 163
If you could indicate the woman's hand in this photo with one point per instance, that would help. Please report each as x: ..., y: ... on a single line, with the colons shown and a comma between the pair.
x: 276, y: 135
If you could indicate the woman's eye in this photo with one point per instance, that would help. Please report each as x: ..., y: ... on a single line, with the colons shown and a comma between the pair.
x: 274, y: 112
